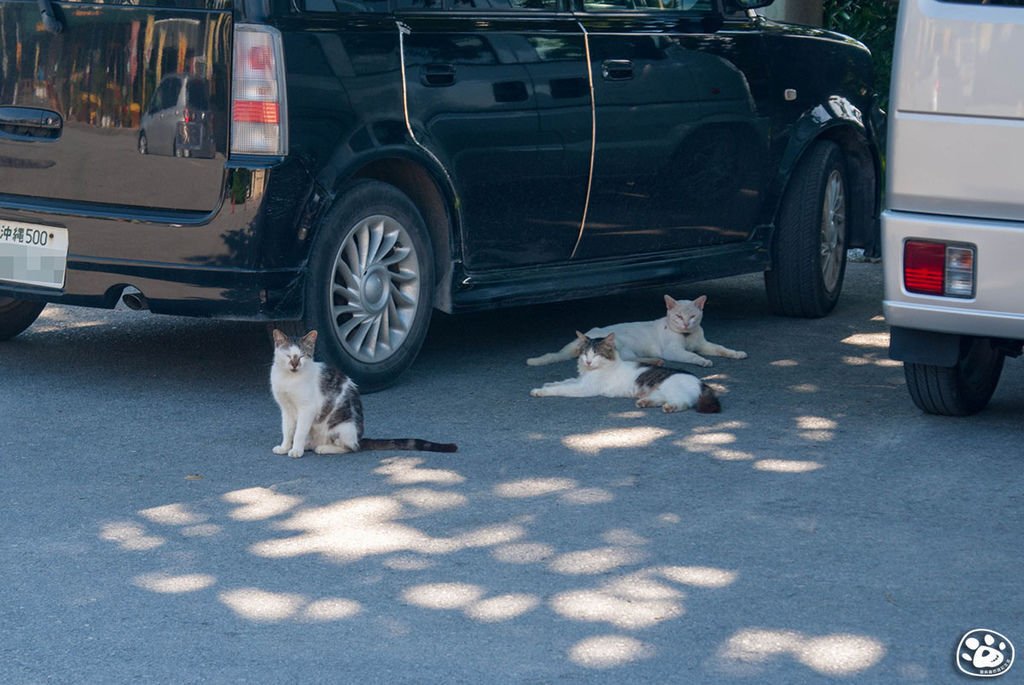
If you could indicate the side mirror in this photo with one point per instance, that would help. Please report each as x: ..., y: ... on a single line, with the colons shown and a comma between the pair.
x: 746, y: 4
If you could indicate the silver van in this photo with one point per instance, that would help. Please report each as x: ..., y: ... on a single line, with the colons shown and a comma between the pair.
x: 953, y: 227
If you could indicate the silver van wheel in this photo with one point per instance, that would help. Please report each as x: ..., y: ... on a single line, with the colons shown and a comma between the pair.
x: 375, y: 290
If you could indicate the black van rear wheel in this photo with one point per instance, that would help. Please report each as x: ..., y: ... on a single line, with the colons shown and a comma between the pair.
x: 17, y: 315
x: 370, y: 288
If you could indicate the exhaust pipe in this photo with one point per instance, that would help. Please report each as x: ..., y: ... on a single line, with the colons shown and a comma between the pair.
x: 135, y: 301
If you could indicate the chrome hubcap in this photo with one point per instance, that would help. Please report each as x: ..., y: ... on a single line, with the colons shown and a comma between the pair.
x: 375, y: 288
x: 833, y: 230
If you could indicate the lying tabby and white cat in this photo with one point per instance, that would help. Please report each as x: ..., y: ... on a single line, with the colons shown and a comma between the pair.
x: 603, y: 374
x: 320, y: 406
x: 676, y: 337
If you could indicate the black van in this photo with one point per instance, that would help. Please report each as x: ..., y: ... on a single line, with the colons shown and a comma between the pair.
x: 369, y: 161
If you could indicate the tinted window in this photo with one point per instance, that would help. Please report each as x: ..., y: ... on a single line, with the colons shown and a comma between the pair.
x: 1006, y: 3
x: 696, y: 6
x: 353, y: 6
x: 197, y: 94
x: 549, y: 5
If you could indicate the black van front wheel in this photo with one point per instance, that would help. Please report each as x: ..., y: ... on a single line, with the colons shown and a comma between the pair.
x: 371, y: 279
x: 809, y: 247
x: 17, y: 315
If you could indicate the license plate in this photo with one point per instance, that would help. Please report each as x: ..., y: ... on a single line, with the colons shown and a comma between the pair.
x: 32, y: 254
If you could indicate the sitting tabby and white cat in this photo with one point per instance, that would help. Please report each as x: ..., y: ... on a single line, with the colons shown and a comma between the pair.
x: 320, y: 406
x: 676, y: 337
x: 603, y: 374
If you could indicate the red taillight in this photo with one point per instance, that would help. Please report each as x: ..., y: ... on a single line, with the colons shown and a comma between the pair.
x: 261, y: 58
x: 259, y: 112
x: 256, y: 112
x: 934, y: 268
x: 924, y: 267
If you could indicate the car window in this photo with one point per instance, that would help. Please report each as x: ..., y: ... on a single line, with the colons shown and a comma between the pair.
x: 695, y: 6
x: 197, y: 94
x: 353, y: 6
x: 548, y: 5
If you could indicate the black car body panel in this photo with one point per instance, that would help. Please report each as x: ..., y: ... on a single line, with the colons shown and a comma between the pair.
x: 554, y: 149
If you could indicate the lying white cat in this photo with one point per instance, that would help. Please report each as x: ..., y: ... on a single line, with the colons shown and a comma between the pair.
x: 603, y: 374
x: 676, y: 337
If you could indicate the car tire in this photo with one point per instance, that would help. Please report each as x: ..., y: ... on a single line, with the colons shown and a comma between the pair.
x: 959, y: 390
x: 809, y: 247
x: 370, y: 284
x: 143, y: 144
x: 17, y: 315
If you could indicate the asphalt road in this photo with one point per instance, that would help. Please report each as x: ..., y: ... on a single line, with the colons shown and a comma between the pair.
x: 820, y: 529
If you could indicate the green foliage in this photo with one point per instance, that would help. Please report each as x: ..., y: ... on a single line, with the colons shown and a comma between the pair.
x: 872, y: 22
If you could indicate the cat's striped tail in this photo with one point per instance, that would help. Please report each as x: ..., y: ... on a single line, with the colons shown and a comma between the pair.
x: 407, y: 444
x: 567, y: 352
x: 708, y: 402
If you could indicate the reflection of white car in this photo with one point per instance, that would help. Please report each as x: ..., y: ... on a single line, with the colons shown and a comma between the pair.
x: 953, y: 232
x: 178, y: 120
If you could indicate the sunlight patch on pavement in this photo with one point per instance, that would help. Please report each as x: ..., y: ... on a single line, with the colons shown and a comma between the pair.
x: 614, y: 438
x: 699, y: 576
x: 172, y: 515
x: 523, y: 553
x: 595, y: 561
x: 533, y: 487
x: 501, y: 608
x: 787, y: 466
x: 129, y: 536
x: 407, y: 471
x: 879, y: 340
x: 609, y: 651
x: 443, y: 595
x: 840, y: 654
x: 164, y: 583
x: 431, y: 500
x: 259, y: 504
x: 587, y: 496
x: 262, y: 606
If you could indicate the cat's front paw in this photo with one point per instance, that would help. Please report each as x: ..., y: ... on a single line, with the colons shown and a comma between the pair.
x: 281, y: 449
x: 295, y: 452
x: 705, y: 363
x: 738, y: 355
x: 537, y: 392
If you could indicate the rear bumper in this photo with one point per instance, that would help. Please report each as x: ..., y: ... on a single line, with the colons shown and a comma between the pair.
x: 242, y: 261
x: 224, y: 293
x: 996, y: 310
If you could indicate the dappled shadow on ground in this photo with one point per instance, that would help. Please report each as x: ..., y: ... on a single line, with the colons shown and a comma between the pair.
x: 567, y: 538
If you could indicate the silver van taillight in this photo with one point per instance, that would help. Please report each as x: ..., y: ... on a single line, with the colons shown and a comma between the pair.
x: 259, y: 108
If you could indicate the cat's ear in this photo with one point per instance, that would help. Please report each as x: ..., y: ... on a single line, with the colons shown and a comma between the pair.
x: 280, y: 339
x: 582, y: 336
x: 699, y: 302
x: 669, y: 302
x: 309, y: 340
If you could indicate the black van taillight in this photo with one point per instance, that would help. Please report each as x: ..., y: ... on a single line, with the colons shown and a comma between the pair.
x: 259, y: 108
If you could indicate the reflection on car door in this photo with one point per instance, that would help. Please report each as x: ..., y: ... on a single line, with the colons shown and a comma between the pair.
x: 681, y: 150
x: 473, y: 103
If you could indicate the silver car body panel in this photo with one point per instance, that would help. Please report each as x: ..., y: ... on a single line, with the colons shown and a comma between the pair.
x: 956, y: 161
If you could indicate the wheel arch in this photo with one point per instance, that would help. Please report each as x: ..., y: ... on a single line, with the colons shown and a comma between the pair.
x: 839, y: 122
x: 431, y: 191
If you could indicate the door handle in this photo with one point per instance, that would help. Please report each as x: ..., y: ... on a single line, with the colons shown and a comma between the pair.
x: 437, y: 75
x: 29, y: 123
x: 617, y: 69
